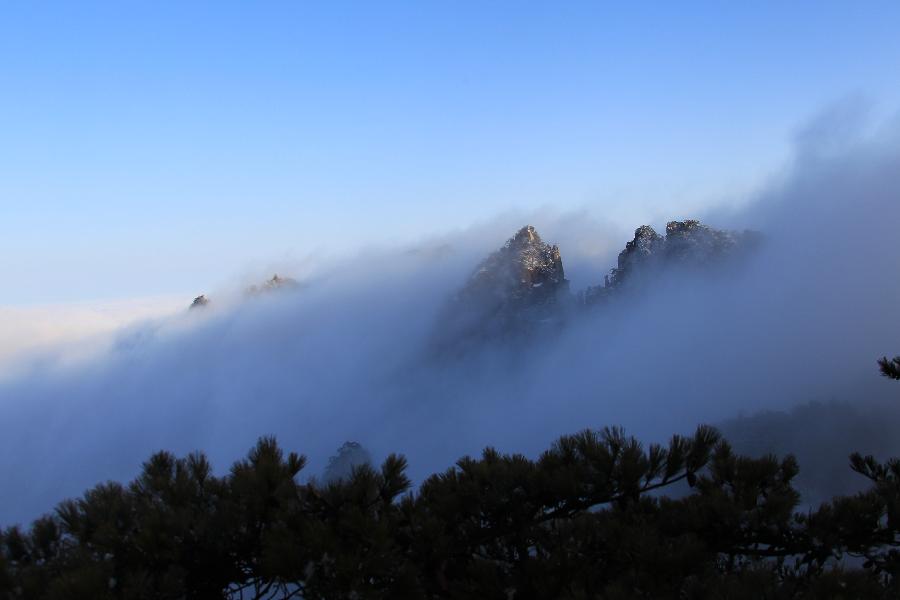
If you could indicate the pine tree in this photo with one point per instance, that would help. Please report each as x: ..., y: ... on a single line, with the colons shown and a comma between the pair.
x: 588, y: 518
x: 890, y: 367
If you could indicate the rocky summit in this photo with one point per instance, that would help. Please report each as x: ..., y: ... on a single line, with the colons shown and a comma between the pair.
x: 526, y: 271
x: 516, y: 289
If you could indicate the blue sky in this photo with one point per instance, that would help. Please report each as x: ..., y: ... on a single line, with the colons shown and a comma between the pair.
x: 157, y: 148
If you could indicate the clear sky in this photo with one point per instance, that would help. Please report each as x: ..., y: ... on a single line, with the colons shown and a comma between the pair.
x: 160, y: 147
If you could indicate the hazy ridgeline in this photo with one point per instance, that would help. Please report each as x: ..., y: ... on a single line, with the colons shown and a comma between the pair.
x: 346, y: 356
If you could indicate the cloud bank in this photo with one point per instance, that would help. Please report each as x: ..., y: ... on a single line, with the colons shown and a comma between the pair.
x: 28, y: 332
x: 344, y: 357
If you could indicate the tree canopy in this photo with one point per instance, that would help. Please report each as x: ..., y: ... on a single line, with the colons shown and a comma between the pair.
x: 596, y: 515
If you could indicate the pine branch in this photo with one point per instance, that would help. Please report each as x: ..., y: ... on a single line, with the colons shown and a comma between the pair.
x: 890, y: 368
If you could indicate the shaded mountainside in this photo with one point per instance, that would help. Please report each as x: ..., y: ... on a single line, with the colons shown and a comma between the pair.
x: 521, y: 288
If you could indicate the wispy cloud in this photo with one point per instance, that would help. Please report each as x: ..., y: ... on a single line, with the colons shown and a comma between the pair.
x: 30, y: 331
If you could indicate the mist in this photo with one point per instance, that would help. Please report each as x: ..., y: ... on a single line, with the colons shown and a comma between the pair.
x: 344, y: 356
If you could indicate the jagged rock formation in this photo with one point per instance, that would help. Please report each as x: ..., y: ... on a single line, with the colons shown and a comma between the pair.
x: 516, y: 289
x: 525, y: 271
x: 690, y: 241
x: 644, y: 249
x: 686, y: 244
x: 199, y: 302
x: 522, y: 288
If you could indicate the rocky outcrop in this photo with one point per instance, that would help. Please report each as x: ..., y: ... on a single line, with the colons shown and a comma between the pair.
x: 687, y: 244
x: 526, y: 271
x: 516, y: 289
x: 645, y: 249
x: 694, y: 243
x: 199, y: 302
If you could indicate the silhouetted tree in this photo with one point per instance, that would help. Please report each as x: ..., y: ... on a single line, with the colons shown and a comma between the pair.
x: 890, y: 367
x: 585, y: 519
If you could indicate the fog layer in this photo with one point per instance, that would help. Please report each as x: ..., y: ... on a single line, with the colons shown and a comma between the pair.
x: 344, y: 357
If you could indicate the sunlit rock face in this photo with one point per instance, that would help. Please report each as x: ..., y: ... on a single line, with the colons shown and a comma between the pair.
x: 526, y: 271
x: 515, y: 290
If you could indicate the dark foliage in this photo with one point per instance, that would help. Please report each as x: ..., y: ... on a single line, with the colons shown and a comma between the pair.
x: 890, y: 367
x: 587, y: 519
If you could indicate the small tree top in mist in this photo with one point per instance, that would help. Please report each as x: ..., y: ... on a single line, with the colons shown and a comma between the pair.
x: 349, y: 456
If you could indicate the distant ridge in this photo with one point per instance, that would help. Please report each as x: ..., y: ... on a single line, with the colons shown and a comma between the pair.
x: 277, y: 282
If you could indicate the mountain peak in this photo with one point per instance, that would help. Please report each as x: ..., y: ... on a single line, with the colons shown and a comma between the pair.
x: 515, y: 289
x: 526, y: 235
x: 523, y: 265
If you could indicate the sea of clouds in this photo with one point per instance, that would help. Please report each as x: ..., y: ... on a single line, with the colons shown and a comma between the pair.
x: 345, y: 355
